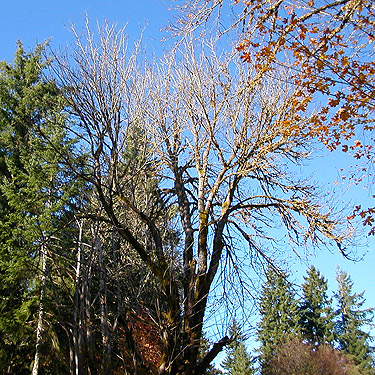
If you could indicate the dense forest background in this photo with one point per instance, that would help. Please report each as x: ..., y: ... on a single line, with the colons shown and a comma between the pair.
x: 144, y: 200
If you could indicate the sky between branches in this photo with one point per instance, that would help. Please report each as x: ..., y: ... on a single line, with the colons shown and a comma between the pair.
x: 34, y: 21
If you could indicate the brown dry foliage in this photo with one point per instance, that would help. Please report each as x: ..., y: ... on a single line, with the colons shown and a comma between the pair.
x: 146, y: 338
x: 297, y: 358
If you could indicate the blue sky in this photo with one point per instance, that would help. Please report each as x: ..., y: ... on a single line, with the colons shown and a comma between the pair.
x: 33, y: 21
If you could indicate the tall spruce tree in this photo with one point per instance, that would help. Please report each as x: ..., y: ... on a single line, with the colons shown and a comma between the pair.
x: 316, y: 310
x: 35, y: 194
x: 279, y: 315
x: 351, y: 324
x: 237, y: 361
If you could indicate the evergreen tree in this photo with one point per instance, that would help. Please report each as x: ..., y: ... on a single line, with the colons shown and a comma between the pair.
x: 35, y: 196
x: 279, y: 315
x: 237, y: 361
x: 316, y: 309
x: 352, y: 319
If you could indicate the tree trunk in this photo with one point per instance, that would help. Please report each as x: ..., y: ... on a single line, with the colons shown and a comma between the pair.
x: 104, y: 325
x: 86, y: 339
x: 40, y: 327
x: 77, y: 341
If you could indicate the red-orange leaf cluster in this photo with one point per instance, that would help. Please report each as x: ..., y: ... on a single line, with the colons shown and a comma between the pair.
x: 329, y: 45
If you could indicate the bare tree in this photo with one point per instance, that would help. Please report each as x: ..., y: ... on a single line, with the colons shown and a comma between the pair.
x: 330, y: 47
x: 220, y: 141
x: 297, y: 357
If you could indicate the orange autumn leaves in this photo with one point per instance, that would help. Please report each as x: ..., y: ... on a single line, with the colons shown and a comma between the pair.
x: 330, y: 48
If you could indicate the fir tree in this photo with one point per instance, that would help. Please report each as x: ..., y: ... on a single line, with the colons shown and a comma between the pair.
x: 35, y: 195
x: 279, y: 316
x: 352, y: 319
x: 237, y: 361
x: 316, y: 309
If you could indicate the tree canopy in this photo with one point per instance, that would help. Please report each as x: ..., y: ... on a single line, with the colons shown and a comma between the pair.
x: 219, y: 141
x: 353, y: 321
x: 316, y: 309
x: 138, y: 195
x: 328, y: 45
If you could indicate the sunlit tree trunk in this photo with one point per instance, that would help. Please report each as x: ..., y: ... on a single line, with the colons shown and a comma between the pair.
x: 40, y: 327
x: 77, y: 342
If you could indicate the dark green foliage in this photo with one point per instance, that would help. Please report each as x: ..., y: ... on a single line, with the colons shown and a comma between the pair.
x: 351, y: 324
x: 316, y: 309
x: 237, y: 361
x: 279, y: 315
x: 91, y: 292
x: 35, y: 196
x: 313, y: 338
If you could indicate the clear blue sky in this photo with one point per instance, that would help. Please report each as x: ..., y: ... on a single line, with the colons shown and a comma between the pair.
x: 34, y: 21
